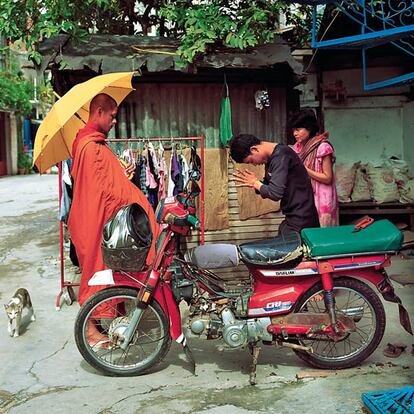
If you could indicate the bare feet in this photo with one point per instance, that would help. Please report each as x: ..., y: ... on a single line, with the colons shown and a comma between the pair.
x: 95, y: 338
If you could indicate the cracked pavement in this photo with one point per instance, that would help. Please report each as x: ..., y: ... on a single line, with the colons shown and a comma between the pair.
x: 42, y: 371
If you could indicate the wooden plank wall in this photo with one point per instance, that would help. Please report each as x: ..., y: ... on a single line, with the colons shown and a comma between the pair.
x: 239, y: 231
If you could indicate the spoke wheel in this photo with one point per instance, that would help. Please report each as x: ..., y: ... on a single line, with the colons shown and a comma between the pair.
x: 353, y: 299
x: 101, y: 323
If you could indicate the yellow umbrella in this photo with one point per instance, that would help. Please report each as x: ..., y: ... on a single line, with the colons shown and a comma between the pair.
x: 54, y: 138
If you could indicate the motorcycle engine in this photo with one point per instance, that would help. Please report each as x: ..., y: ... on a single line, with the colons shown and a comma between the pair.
x: 235, y: 332
x: 217, y: 321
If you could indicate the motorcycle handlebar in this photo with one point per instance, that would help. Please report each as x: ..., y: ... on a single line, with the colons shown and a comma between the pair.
x: 194, y: 221
x: 188, y: 220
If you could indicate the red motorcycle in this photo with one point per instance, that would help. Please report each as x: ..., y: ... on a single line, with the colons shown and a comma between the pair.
x: 310, y: 294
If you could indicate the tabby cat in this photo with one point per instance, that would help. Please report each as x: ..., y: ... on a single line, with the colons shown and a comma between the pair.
x: 14, y: 310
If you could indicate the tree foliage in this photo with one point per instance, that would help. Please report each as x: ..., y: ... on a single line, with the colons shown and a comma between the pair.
x: 222, y: 23
x: 15, y: 91
x: 200, y: 25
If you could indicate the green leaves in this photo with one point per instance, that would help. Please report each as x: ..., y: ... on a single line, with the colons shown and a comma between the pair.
x: 236, y: 24
x: 31, y: 21
x: 201, y: 25
x: 15, y: 92
x: 35, y: 56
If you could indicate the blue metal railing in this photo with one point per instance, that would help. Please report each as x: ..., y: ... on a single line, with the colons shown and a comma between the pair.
x: 381, y: 22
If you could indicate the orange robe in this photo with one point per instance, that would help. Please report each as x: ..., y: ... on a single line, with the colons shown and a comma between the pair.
x: 100, y: 189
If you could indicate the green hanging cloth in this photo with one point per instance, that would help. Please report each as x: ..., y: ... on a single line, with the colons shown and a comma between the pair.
x: 226, y: 132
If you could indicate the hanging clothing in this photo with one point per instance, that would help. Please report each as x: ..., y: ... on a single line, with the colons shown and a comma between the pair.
x: 184, y: 170
x: 162, y: 167
x: 225, y: 131
x: 128, y: 157
x: 195, y: 160
x: 312, y: 153
x: 143, y: 183
x: 173, y: 175
x: 66, y: 199
x: 152, y: 176
x: 179, y: 185
x: 150, y: 179
x: 100, y: 190
x: 153, y: 160
x: 136, y: 179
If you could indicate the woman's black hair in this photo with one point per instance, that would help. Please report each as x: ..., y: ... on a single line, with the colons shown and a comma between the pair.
x: 305, y: 118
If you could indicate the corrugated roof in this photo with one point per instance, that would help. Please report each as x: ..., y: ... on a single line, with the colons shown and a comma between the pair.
x: 113, y: 53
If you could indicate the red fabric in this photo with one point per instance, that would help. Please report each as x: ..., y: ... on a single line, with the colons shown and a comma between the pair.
x: 100, y: 190
x: 308, y: 151
x: 89, y: 128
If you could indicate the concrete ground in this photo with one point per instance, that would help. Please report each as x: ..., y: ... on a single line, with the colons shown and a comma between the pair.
x: 42, y: 371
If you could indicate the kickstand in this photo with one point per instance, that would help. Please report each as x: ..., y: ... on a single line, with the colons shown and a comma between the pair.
x: 190, y: 358
x: 255, y: 351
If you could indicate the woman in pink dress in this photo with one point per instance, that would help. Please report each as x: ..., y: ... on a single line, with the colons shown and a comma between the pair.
x: 318, y: 156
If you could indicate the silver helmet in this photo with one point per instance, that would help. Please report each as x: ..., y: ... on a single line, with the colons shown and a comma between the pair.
x: 126, y: 239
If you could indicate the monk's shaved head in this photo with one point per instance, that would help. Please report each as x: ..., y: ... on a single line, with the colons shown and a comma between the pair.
x: 102, y: 113
x: 104, y: 101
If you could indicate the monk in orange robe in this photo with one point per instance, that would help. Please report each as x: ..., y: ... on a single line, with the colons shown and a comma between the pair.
x: 100, y: 189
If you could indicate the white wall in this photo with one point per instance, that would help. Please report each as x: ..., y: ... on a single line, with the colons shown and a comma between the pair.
x: 353, y: 80
x: 366, y: 129
x: 11, y: 144
x: 408, y: 134
x: 369, y: 127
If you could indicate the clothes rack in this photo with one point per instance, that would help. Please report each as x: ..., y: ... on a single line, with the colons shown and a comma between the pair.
x: 66, y: 288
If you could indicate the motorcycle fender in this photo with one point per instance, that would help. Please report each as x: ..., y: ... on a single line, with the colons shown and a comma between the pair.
x: 388, y: 293
x: 382, y: 282
x: 164, y: 296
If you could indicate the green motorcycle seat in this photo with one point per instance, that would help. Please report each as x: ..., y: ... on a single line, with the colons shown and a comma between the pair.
x: 380, y: 236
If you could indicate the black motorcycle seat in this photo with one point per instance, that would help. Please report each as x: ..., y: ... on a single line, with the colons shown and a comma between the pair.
x: 278, y: 250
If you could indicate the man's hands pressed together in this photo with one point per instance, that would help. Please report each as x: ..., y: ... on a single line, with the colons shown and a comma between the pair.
x: 246, y: 178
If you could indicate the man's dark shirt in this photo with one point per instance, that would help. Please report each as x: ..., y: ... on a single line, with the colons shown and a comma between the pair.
x: 287, y: 180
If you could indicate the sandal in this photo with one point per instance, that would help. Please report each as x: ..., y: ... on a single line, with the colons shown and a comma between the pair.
x: 105, y: 344
x: 394, y: 350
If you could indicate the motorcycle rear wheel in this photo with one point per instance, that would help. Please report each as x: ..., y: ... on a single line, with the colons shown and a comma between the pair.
x: 353, y: 298
x: 109, y: 310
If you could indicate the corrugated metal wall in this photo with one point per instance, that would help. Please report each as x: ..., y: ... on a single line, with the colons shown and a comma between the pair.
x: 189, y: 109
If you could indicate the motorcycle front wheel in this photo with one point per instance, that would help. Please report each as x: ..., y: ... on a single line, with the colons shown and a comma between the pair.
x: 101, y: 322
x: 353, y: 299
